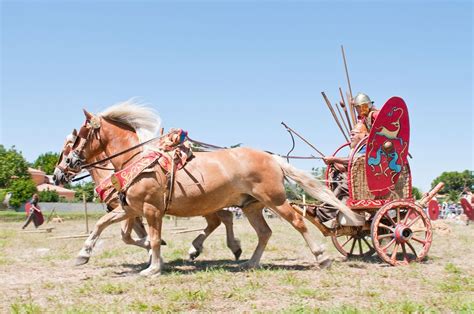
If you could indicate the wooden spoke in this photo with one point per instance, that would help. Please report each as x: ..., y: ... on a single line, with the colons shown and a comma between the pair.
x: 405, y: 255
x: 386, y: 215
x: 388, y: 245
x: 360, y: 246
x: 347, y: 241
x: 407, y: 215
x: 352, y: 247
x: 414, y: 220
x: 412, y: 249
x: 383, y: 236
x: 385, y: 226
x: 418, y: 240
x: 394, y: 253
x: 368, y: 244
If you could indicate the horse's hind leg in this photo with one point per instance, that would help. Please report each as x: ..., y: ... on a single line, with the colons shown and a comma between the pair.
x: 233, y: 243
x: 297, y: 221
x: 127, y: 226
x: 254, y: 213
x: 213, y: 221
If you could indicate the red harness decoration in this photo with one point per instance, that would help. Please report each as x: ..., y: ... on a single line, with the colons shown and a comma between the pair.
x: 171, y: 153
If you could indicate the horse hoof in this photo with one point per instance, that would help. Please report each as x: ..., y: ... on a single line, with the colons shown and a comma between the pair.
x: 194, y: 255
x: 150, y: 272
x: 325, y: 262
x: 163, y: 242
x: 237, y: 254
x: 81, y: 260
x: 248, y: 265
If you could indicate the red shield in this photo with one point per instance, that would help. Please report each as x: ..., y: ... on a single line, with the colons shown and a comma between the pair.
x: 433, y: 209
x: 467, y: 208
x: 387, y: 147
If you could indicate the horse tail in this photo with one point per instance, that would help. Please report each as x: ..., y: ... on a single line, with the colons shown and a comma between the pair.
x: 317, y: 190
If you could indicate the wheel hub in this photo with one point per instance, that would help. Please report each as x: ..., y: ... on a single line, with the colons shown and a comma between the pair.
x: 402, y: 233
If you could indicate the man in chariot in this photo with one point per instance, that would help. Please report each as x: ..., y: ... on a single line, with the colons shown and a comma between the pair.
x: 367, y: 114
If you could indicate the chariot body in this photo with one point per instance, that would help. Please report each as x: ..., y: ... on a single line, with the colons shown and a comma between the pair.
x: 379, y: 189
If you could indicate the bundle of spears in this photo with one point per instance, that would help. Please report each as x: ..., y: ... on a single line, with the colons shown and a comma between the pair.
x: 344, y: 122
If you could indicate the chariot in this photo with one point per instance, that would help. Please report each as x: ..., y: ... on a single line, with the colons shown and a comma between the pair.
x: 379, y: 184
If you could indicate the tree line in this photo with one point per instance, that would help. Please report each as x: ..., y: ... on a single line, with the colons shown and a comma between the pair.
x: 15, y: 178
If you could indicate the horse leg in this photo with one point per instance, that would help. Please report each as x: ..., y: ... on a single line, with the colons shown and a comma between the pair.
x: 233, y: 243
x: 133, y: 223
x: 286, y: 211
x: 254, y: 213
x: 110, y: 218
x: 154, y: 218
x: 213, y: 221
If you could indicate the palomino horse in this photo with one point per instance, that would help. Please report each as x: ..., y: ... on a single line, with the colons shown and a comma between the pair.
x: 102, y: 172
x: 210, y: 181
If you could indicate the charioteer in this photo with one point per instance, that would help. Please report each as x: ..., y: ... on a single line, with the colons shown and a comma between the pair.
x: 366, y: 111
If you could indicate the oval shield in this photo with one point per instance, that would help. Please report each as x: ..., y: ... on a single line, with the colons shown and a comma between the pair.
x: 433, y: 209
x: 387, y: 147
x: 468, y: 210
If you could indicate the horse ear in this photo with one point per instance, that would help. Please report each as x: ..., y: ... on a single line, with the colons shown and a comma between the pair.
x: 74, y: 132
x: 87, y: 114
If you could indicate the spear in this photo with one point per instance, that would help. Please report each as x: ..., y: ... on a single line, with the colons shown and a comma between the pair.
x: 347, y: 72
x: 304, y: 140
x: 328, y: 103
x: 342, y: 119
x: 352, y: 109
x: 344, y: 107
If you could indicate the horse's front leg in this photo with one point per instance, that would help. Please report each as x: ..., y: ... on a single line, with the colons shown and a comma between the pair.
x: 154, y: 218
x: 114, y: 216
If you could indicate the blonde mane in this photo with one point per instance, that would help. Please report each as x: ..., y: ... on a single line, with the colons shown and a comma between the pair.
x: 143, y: 119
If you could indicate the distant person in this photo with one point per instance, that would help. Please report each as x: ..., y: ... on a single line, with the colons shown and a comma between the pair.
x: 34, y: 212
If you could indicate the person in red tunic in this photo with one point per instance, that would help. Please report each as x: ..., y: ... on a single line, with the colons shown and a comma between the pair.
x: 366, y: 111
x: 35, y: 213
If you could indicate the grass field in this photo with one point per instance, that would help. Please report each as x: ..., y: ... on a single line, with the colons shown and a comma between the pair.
x: 37, y: 274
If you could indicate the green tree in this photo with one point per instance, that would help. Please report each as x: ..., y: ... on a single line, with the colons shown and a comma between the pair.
x: 87, y: 188
x: 46, y: 162
x: 454, y: 181
x: 12, y: 166
x: 416, y: 193
x: 22, y: 189
x: 49, y: 196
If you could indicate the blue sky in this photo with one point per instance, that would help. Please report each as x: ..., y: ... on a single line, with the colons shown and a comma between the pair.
x: 230, y: 72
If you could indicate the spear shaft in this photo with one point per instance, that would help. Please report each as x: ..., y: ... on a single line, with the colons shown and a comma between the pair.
x: 342, y: 119
x: 347, y: 72
x: 328, y: 103
x: 302, y: 138
x: 344, y: 107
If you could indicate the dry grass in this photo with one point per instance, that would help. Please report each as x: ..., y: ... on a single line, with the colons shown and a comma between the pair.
x: 36, y: 275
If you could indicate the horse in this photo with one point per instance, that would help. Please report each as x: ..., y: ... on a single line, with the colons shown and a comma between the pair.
x: 241, y: 177
x: 104, y: 171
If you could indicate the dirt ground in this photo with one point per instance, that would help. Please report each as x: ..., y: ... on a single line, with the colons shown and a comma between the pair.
x: 37, y: 274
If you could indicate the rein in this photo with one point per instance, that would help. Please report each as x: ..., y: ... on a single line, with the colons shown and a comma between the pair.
x: 94, y: 164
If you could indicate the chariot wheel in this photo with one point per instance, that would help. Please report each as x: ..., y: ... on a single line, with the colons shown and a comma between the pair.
x: 401, y: 233
x: 357, y: 245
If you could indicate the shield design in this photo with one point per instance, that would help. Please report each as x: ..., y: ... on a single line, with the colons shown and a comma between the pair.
x: 433, y: 209
x: 387, y: 147
x: 468, y: 210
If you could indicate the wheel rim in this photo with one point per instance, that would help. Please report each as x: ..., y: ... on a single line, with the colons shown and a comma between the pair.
x: 401, y: 233
x: 354, y: 246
